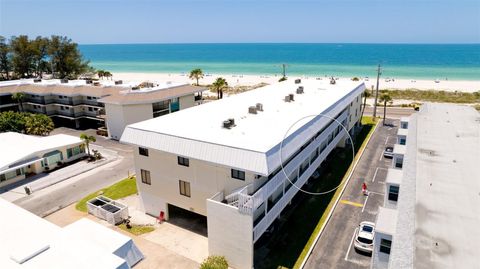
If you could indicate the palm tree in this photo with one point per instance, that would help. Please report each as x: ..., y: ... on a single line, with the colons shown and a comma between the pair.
x: 19, y: 96
x: 87, y: 139
x: 366, y: 94
x: 100, y: 73
x: 107, y: 74
x: 196, y: 74
x: 218, y: 85
x: 385, y: 97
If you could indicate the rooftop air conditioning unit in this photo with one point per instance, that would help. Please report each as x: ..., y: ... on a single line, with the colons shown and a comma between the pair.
x: 64, y: 80
x: 118, y: 82
x: 89, y: 81
x: 252, y: 110
x: 229, y: 123
x: 135, y: 88
x: 300, y: 90
x: 287, y: 98
x: 292, y: 97
x: 96, y: 83
x: 259, y: 107
x: 298, y: 81
x: 37, y: 80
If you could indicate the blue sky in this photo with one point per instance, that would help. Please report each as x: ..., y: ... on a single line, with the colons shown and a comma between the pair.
x: 229, y: 21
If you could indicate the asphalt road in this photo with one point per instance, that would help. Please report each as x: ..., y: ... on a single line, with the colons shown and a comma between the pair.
x: 53, y: 198
x: 392, y: 112
x: 335, y: 249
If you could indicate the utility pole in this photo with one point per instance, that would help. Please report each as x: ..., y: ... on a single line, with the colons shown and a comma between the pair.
x: 379, y: 72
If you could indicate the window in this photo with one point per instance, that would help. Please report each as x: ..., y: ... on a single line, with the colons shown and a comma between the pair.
x: 90, y: 108
x: 184, y: 188
x: 18, y: 171
x: 146, y: 177
x: 89, y: 98
x: 143, y: 151
x: 2, y: 177
x: 183, y: 161
x: 69, y: 153
x: 393, y: 193
x: 385, y: 246
x: 238, y: 174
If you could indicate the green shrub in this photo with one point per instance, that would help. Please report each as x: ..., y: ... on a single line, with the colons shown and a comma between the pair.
x: 214, y: 262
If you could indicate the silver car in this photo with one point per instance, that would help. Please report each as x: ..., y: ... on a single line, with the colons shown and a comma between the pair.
x: 364, y: 237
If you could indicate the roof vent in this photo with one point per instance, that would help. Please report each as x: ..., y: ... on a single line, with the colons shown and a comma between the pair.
x: 37, y: 80
x: 96, y: 83
x: 118, y: 82
x: 135, y: 88
x: 287, y: 98
x: 259, y: 107
x: 300, y: 90
x: 64, y: 80
x: 292, y: 97
x: 298, y: 81
x: 252, y: 110
x: 229, y: 123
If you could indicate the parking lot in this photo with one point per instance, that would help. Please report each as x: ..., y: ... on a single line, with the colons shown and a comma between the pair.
x: 335, y: 248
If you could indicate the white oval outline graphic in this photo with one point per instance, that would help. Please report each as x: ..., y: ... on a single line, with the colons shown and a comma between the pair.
x: 281, y: 157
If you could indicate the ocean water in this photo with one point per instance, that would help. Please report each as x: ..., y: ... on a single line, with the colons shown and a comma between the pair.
x: 425, y: 61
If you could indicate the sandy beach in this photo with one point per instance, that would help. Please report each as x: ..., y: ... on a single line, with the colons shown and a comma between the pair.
x: 249, y: 80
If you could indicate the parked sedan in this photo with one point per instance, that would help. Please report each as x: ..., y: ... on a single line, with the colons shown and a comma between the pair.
x: 388, y: 153
x: 364, y: 237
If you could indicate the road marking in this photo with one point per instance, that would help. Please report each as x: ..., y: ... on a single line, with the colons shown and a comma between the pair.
x: 351, y: 203
x: 365, y: 203
x: 351, y: 243
x: 376, y: 193
x: 376, y: 171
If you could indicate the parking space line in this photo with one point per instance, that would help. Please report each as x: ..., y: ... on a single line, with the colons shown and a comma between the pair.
x: 350, y: 203
x: 365, y: 203
x: 351, y: 243
x: 374, y: 192
x: 376, y: 171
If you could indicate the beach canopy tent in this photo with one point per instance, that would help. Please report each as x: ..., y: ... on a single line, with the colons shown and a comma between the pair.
x: 28, y: 241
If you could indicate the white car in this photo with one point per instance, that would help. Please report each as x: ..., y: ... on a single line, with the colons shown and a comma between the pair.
x: 388, y: 153
x: 364, y: 237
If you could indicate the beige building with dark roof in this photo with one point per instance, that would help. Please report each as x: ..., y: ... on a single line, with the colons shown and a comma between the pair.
x: 105, y: 105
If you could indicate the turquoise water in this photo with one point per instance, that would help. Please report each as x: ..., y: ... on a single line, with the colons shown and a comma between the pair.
x: 460, y: 62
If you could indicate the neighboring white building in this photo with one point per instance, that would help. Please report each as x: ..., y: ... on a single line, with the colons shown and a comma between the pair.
x: 28, y: 241
x: 21, y: 155
x: 83, y: 104
x: 131, y: 106
x: 222, y: 159
x: 431, y: 214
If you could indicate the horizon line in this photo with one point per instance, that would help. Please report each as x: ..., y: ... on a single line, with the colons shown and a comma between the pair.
x: 279, y: 43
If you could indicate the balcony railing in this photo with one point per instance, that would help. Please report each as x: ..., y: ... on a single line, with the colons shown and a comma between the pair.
x: 273, y: 213
x: 249, y: 203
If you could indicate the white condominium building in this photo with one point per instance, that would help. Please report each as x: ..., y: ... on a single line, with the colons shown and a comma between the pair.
x: 431, y: 215
x: 107, y: 105
x: 223, y: 159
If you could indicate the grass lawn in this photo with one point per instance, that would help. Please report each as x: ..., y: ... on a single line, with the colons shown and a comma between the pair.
x: 301, y: 222
x: 118, y: 190
x: 435, y: 96
x: 137, y: 229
